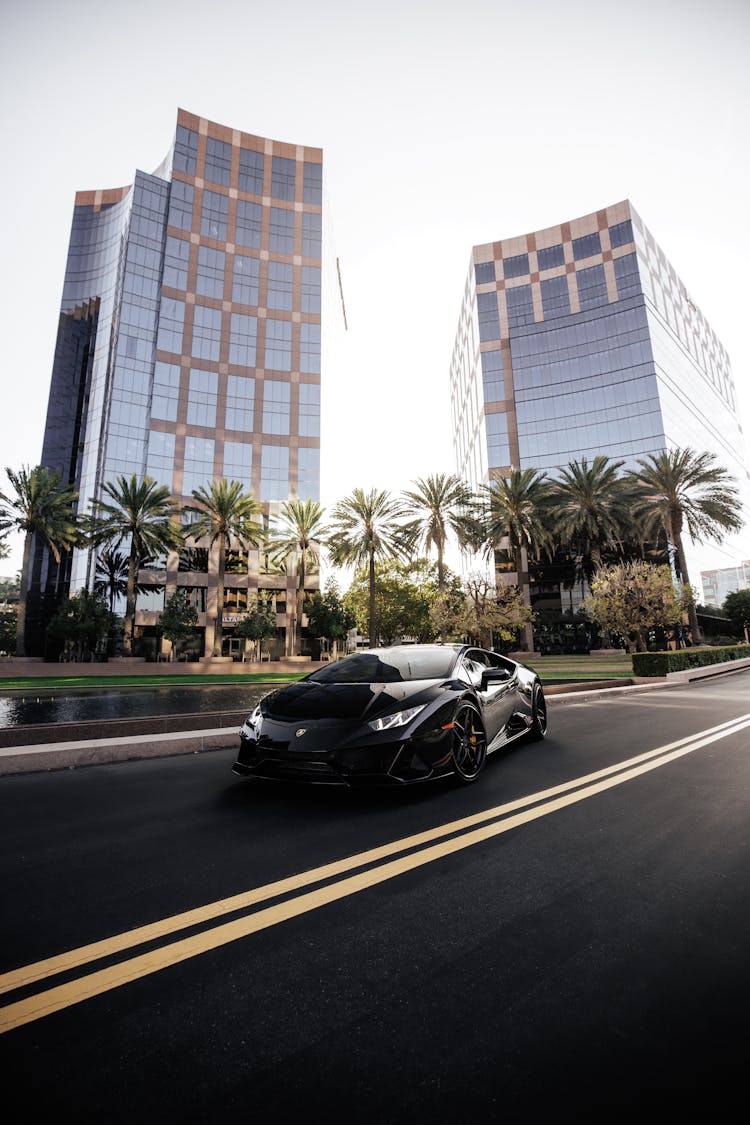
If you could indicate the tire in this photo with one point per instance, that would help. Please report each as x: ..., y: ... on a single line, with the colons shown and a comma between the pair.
x: 469, y: 749
x: 538, y: 728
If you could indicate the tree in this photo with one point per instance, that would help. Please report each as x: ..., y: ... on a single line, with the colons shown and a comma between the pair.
x: 259, y: 622
x: 295, y: 536
x: 111, y: 575
x: 178, y: 619
x: 441, y: 504
x: 494, y: 613
x: 365, y: 528
x: 404, y: 593
x: 515, y: 511
x: 328, y: 617
x: 141, y: 514
x: 224, y: 512
x: 632, y: 598
x: 83, y: 621
x: 590, y: 506
x: 680, y: 489
x: 41, y: 506
x: 737, y: 608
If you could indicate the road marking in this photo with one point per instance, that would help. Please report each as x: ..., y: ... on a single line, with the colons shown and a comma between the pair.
x: 502, y: 818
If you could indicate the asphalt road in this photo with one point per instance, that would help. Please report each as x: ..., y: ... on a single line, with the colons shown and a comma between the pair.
x: 577, y: 951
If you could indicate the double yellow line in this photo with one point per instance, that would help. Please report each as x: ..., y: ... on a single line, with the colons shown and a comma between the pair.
x: 411, y: 852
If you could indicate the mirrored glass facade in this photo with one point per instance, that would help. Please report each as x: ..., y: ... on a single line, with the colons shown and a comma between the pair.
x: 190, y: 328
x: 581, y: 340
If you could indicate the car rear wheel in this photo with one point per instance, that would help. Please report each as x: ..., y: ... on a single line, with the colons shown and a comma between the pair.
x: 469, y: 748
x: 538, y: 728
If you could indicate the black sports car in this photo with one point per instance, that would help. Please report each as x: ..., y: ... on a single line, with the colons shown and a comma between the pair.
x: 401, y: 714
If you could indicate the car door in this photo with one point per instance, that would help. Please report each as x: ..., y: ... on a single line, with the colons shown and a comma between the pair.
x: 497, y: 699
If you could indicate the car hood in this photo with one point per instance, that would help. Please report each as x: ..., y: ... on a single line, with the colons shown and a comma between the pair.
x: 308, y: 700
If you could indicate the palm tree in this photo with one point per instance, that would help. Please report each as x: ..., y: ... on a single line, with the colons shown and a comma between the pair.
x: 591, y: 506
x: 678, y: 489
x: 365, y: 528
x: 296, y: 534
x: 42, y: 506
x: 441, y: 503
x: 111, y: 576
x: 142, y: 514
x: 224, y: 512
x: 516, y: 512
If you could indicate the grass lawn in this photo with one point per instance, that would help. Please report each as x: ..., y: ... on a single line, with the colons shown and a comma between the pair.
x: 579, y: 669
x: 19, y: 683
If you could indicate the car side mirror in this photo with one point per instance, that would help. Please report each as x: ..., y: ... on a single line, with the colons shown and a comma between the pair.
x: 495, y: 676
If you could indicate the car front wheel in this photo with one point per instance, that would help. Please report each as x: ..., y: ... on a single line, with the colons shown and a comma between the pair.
x: 469, y: 748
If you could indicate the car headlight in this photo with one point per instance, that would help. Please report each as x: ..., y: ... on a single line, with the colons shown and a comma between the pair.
x: 398, y: 719
x: 251, y: 723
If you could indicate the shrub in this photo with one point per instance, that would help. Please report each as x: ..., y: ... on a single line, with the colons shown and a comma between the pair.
x: 660, y: 663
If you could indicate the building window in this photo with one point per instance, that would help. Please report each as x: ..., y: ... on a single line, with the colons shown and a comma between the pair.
x: 493, y: 379
x: 627, y: 276
x: 245, y: 280
x: 281, y: 235
x: 621, y: 233
x: 185, y: 150
x: 592, y: 287
x: 238, y: 461
x: 313, y: 182
x: 240, y: 403
x: 498, y: 445
x: 214, y: 215
x: 209, y: 280
x: 309, y: 410
x: 276, y: 406
x: 206, y: 333
x: 309, y: 348
x: 311, y: 234
x: 181, y: 205
x: 204, y: 386
x: 280, y: 285
x: 517, y: 266
x: 218, y: 161
x: 555, y: 297
x: 484, y: 271
x: 550, y: 256
x: 248, y: 226
x: 196, y: 597
x: 176, y: 255
x: 166, y: 391
x: 489, y: 321
x: 278, y: 344
x: 310, y: 289
x: 235, y: 599
x: 198, y: 469
x: 251, y: 171
x: 587, y: 246
x: 520, y: 306
x: 308, y: 480
x: 171, y: 323
x: 283, y: 177
x: 160, y: 458
x: 193, y: 558
x: 274, y: 472
x: 243, y: 332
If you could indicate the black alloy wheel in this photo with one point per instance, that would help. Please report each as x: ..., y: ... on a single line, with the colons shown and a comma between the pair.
x: 469, y: 748
x: 538, y: 728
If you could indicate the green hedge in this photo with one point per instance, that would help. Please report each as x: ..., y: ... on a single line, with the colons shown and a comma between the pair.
x: 659, y: 663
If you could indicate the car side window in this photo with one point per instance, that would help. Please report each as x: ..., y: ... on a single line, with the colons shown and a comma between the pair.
x: 470, y: 671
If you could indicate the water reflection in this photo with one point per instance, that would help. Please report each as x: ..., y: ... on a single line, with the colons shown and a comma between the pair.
x: 87, y: 705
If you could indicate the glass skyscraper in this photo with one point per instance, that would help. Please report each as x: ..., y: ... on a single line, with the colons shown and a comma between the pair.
x: 189, y: 349
x: 580, y: 340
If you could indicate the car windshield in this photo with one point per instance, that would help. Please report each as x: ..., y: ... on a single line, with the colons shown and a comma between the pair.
x: 388, y: 666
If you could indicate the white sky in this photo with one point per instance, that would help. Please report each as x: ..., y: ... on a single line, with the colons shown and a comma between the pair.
x: 443, y: 125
